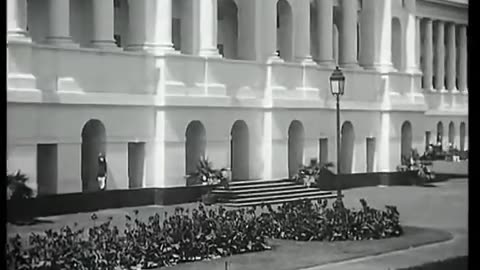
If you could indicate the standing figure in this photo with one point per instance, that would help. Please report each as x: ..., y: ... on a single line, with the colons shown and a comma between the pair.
x: 102, y: 172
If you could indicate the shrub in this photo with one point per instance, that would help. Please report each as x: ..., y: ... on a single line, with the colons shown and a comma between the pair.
x: 161, y: 241
x: 310, y: 174
x: 413, y: 162
x: 308, y: 221
x: 17, y: 187
x: 197, y: 235
x: 207, y: 175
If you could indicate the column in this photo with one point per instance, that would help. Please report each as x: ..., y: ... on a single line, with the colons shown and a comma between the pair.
x: 59, y: 23
x: 325, y: 32
x: 302, y: 32
x: 376, y: 31
x: 102, y: 21
x: 411, y: 37
x: 150, y: 26
x: 451, y: 58
x: 440, y: 54
x: 17, y: 20
x: 462, y: 71
x: 348, y: 33
x: 208, y: 28
x: 427, y: 54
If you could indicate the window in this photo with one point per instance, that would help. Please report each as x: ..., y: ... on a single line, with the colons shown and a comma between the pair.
x: 370, y: 154
x: 116, y: 3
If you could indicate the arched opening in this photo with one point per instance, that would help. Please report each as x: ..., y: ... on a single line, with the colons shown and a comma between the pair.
x: 451, y: 134
x: 284, y: 30
x: 94, y: 139
x: 121, y: 22
x: 406, y: 139
x: 396, y: 44
x: 239, y: 145
x: 227, y: 34
x: 195, y: 145
x: 296, y: 140
x: 463, y: 134
x: 440, y: 133
x: 346, y: 147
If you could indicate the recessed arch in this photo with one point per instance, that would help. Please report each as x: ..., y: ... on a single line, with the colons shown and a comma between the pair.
x: 463, y: 134
x: 239, y: 150
x: 285, y: 30
x: 93, y: 143
x: 451, y: 134
x: 406, y: 139
x: 296, y: 141
x: 195, y: 145
x: 347, y: 147
x: 396, y: 49
x: 227, y: 34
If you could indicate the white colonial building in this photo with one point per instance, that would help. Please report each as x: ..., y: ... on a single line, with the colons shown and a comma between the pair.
x: 153, y: 84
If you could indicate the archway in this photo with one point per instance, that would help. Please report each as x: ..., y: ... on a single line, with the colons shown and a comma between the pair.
x: 195, y: 145
x: 440, y: 133
x: 296, y: 140
x: 285, y: 30
x: 346, y: 147
x: 239, y: 146
x: 396, y: 44
x: 406, y: 139
x: 462, y: 136
x: 93, y: 143
x: 451, y: 134
x: 227, y: 34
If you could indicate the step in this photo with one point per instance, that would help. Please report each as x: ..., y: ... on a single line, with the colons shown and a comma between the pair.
x: 262, y: 185
x: 278, y: 201
x: 284, y: 196
x: 256, y: 190
x: 252, y: 182
x: 275, y: 192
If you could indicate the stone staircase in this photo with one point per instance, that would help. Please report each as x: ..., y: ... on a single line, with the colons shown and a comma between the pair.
x: 257, y: 192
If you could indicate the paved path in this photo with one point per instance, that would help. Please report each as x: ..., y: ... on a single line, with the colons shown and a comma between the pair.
x: 443, y: 207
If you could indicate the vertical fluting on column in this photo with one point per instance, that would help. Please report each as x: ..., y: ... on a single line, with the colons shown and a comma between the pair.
x: 451, y: 58
x: 427, y: 54
x: 102, y: 21
x: 440, y: 55
x: 348, y: 33
x: 59, y: 23
x: 325, y: 32
x: 462, y: 71
x: 208, y: 28
x: 17, y: 20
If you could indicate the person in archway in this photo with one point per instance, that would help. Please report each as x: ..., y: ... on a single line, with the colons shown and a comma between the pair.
x: 102, y: 171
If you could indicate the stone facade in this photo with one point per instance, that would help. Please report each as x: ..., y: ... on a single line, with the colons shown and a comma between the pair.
x: 131, y: 77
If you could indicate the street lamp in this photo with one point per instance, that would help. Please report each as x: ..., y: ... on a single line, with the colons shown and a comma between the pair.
x: 337, y: 87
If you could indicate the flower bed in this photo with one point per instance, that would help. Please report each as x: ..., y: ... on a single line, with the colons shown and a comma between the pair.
x: 197, y: 235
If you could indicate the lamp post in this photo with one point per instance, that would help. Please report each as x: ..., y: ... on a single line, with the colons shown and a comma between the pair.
x: 337, y: 85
